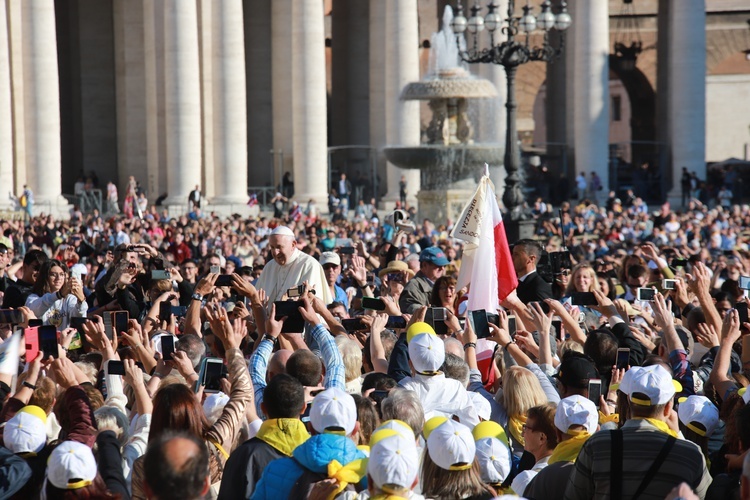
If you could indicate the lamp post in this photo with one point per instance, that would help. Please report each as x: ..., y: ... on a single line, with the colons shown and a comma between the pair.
x: 510, y: 53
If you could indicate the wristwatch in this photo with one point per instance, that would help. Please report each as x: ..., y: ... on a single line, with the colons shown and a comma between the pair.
x: 197, y: 296
x: 271, y: 338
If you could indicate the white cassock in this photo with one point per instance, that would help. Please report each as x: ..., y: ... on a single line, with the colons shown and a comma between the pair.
x: 276, y: 280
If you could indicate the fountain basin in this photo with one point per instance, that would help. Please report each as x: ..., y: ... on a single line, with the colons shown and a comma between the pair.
x: 457, y: 161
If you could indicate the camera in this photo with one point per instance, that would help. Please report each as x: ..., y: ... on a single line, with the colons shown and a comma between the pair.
x: 400, y: 220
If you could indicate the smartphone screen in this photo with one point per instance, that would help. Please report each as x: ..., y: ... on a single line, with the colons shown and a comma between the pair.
x: 108, y: 331
x: 583, y: 299
x: 11, y: 316
x: 120, y: 321
x: 181, y: 311
x: 294, y: 322
x: 512, y: 326
x: 223, y: 280
x: 165, y: 310
x: 558, y: 327
x: 481, y: 326
x: 160, y: 275
x: 435, y: 317
x: 48, y: 341
x: 396, y: 322
x: 295, y: 291
x: 745, y: 282
x: 373, y: 304
x: 215, y: 269
x: 346, y: 250
x: 35, y: 322
x: 679, y: 263
x: 212, y: 372
x: 668, y: 284
x: 31, y: 339
x: 167, y: 347
x: 493, y: 318
x: 353, y: 325
x: 595, y: 391
x: 623, y: 358
x: 646, y: 294
x: 742, y: 311
x: 116, y: 367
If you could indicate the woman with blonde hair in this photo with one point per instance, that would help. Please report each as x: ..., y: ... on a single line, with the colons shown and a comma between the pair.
x: 521, y: 391
x: 582, y: 279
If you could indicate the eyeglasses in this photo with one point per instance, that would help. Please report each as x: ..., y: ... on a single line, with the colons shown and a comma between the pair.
x: 330, y: 266
x: 528, y: 428
x: 55, y: 276
x: 190, y: 268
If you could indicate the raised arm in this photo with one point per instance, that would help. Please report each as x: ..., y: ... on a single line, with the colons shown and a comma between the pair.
x: 377, y: 352
x: 730, y: 333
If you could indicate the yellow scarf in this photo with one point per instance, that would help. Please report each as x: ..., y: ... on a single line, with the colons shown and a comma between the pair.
x: 515, y: 426
x: 388, y: 496
x: 353, y: 472
x: 284, y: 434
x: 661, y: 425
x: 603, y: 419
x: 567, y: 451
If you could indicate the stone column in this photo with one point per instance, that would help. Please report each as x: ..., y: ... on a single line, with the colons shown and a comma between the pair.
x: 281, y: 77
x: 42, y: 104
x: 687, y: 92
x: 591, y: 88
x: 377, y: 90
x: 229, y: 113
x: 401, y: 67
x: 309, y: 103
x: 6, y: 112
x: 153, y: 50
x: 182, y: 100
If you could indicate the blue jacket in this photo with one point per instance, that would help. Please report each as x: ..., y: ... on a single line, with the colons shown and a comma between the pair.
x: 315, y: 454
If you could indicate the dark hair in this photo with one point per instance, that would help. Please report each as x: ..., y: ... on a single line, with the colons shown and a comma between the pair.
x: 40, y: 285
x: 305, y: 367
x: 435, y: 294
x: 378, y: 381
x: 742, y: 419
x: 35, y: 257
x: 335, y: 304
x: 636, y: 271
x: 284, y: 397
x: 367, y: 417
x: 544, y: 418
x: 168, y: 480
x: 175, y: 407
x: 601, y: 346
x: 530, y: 247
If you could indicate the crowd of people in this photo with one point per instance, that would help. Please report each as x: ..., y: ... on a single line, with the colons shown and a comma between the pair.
x: 297, y: 357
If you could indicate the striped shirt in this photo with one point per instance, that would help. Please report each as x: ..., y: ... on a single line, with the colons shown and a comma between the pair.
x: 641, y: 443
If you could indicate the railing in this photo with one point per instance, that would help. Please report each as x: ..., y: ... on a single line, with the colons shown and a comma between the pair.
x: 264, y: 194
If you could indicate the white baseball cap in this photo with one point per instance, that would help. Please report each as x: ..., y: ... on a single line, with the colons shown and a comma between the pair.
x: 654, y: 382
x: 426, y: 352
x: 481, y: 405
x: 701, y: 411
x: 330, y: 258
x: 394, y: 462
x: 26, y: 432
x: 71, y: 465
x: 494, y: 460
x: 451, y: 446
x: 333, y: 410
x: 576, y: 410
x: 397, y: 425
x: 214, y: 405
x: 745, y: 394
x: 79, y: 269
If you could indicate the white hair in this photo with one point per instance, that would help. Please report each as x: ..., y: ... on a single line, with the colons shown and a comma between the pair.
x: 352, y: 356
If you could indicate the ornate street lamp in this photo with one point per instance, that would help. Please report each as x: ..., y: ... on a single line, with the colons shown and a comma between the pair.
x: 510, y: 53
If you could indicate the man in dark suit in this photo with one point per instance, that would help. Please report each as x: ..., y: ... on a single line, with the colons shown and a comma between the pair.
x: 531, y: 286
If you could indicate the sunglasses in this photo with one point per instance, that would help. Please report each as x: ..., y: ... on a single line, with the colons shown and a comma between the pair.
x: 397, y: 277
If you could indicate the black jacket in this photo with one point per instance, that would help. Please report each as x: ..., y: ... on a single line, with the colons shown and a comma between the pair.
x: 244, y: 468
x: 16, y: 294
x: 533, y: 289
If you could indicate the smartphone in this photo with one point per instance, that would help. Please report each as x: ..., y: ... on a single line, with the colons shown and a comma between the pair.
x: 11, y: 316
x: 353, y: 325
x: 35, y: 322
x: 31, y: 339
x: 160, y: 275
x: 120, y: 321
x: 116, y: 367
x: 346, y: 251
x: 480, y: 324
x: 742, y: 311
x: 512, y: 326
x: 295, y: 291
x: 79, y: 339
x: 215, y: 270
x: 595, y: 391
x: 294, y: 322
x: 396, y: 323
x: 745, y: 282
x: 48, y: 341
x: 558, y: 327
x: 668, y: 284
x: 378, y: 396
x: 493, y: 318
x: 728, y: 253
x: 679, y: 263
x: 373, y: 304
x: 223, y: 280
x: 583, y: 299
x: 623, y: 358
x: 344, y: 243
x: 646, y: 294
x: 165, y: 310
x: 180, y: 311
x: 167, y: 347
x: 435, y: 317
x: 212, y: 371
x: 107, y: 319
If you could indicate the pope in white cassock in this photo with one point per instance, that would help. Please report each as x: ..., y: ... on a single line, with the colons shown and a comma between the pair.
x: 289, y: 268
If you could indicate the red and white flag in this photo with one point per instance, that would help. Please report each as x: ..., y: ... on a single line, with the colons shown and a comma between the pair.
x: 486, y: 263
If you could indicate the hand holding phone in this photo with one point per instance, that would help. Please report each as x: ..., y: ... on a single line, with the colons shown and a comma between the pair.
x: 595, y: 391
x: 480, y: 324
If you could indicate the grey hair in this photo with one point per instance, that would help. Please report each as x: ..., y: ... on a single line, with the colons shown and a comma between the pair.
x: 351, y: 355
x: 454, y: 346
x: 89, y: 370
x: 193, y: 346
x: 111, y: 418
x: 456, y: 368
x: 404, y: 405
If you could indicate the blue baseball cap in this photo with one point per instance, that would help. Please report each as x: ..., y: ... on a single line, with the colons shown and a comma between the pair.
x: 434, y: 255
